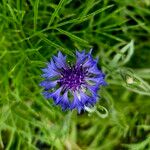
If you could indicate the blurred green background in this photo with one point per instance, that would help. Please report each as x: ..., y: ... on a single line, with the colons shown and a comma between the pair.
x: 32, y: 31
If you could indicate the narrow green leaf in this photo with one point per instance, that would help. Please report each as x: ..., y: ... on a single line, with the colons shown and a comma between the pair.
x: 129, y: 49
x: 74, y: 37
x: 49, y: 42
x: 12, y: 13
x: 82, y: 19
x: 56, y: 12
x: 35, y: 14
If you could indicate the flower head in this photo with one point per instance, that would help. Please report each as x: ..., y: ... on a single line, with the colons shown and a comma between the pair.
x: 72, y: 86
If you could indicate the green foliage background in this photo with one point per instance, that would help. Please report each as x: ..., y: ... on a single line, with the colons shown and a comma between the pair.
x: 32, y: 31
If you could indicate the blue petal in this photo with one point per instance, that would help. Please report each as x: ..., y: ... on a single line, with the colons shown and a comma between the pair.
x: 88, y: 100
x: 51, y: 70
x: 50, y: 74
x: 57, y: 100
x: 76, y: 103
x: 94, y: 70
x: 93, y: 89
x: 47, y: 94
x: 80, y: 54
x: 55, y: 95
x: 52, y: 65
x: 60, y: 60
x: 85, y: 98
x: 81, y: 57
x: 64, y: 102
x: 48, y: 84
x: 60, y: 56
x: 98, y: 80
x: 90, y: 62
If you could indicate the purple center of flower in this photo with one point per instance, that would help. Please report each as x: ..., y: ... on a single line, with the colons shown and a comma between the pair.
x: 73, y: 77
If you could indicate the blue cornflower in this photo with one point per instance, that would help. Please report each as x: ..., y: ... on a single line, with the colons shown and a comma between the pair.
x: 72, y: 86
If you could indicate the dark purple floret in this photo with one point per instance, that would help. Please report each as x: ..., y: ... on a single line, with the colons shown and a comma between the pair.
x: 73, y: 77
x: 73, y: 87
